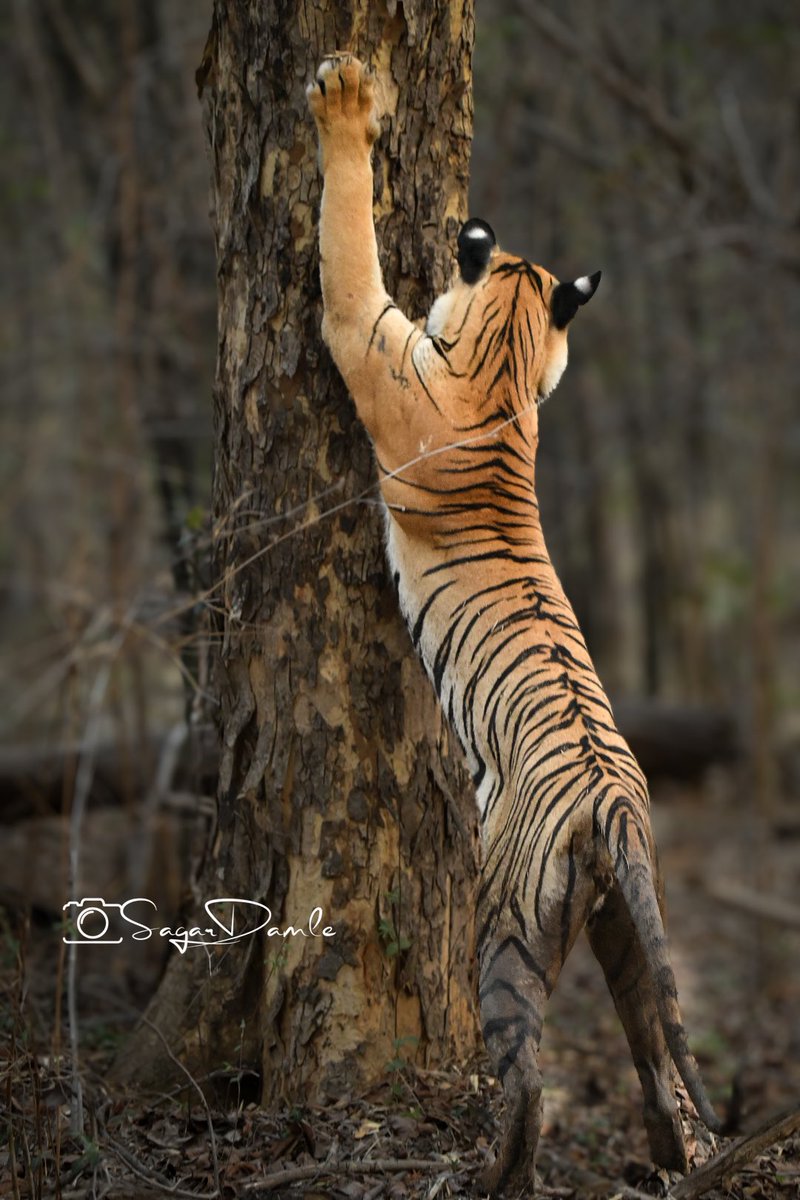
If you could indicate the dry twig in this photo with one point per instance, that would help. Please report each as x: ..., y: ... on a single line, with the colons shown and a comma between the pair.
x: 155, y: 1178
x: 212, y: 1136
x: 375, y: 1166
x: 737, y: 1156
x: 80, y: 800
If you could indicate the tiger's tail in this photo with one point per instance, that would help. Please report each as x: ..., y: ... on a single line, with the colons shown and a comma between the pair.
x: 628, y: 840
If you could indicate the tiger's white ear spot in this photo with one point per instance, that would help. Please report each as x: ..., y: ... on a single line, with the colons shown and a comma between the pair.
x: 476, y: 241
x: 584, y: 284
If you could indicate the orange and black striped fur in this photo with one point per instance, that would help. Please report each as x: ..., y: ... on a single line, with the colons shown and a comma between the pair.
x: 452, y: 413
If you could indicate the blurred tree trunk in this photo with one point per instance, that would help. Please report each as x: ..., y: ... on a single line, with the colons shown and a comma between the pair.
x: 335, y: 788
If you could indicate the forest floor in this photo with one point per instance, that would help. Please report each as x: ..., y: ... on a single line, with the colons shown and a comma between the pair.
x: 428, y: 1133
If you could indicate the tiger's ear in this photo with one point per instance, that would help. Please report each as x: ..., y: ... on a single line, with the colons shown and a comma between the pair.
x: 568, y: 297
x: 476, y: 241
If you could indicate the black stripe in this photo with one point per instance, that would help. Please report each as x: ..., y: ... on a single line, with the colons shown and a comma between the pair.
x: 386, y: 308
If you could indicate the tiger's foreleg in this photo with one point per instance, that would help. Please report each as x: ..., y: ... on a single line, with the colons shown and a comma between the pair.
x: 343, y: 104
x: 617, y: 948
x: 361, y: 325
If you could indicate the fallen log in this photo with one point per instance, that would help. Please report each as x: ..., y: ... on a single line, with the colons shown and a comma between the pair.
x: 33, y: 777
x: 673, y: 740
x: 755, y: 904
x: 668, y: 739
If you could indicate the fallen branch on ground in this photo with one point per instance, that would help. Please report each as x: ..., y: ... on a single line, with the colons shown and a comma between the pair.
x: 375, y: 1166
x: 737, y: 1156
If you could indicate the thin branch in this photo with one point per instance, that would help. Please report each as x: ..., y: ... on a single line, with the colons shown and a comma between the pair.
x: 80, y: 799
x: 748, y: 240
x: 731, y: 116
x: 735, y: 1157
x: 644, y: 102
x: 152, y: 1176
x: 48, y: 681
x: 232, y: 572
x: 548, y: 131
x: 375, y: 1166
x: 83, y: 63
x: 177, y: 1062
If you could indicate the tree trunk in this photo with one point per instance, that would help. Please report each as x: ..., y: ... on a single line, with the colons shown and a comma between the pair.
x: 336, y: 788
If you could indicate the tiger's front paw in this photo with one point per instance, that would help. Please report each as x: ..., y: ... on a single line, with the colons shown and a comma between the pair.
x: 342, y: 99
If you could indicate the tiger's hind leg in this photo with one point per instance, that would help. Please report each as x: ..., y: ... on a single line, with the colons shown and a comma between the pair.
x: 513, y: 995
x: 617, y: 948
x: 524, y: 938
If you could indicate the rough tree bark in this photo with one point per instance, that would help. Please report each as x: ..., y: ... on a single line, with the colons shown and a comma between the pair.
x: 336, y: 786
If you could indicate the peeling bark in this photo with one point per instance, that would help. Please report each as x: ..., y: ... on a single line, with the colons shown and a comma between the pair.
x: 336, y: 786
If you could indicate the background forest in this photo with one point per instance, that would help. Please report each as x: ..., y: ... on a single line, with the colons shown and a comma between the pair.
x: 659, y: 142
x: 656, y: 141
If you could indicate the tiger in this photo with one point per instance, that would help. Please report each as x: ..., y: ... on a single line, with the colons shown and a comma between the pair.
x: 451, y: 409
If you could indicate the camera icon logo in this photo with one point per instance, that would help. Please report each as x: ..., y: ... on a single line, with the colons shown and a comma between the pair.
x: 90, y: 923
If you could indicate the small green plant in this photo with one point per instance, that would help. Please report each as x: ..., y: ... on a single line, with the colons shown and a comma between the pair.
x: 276, y: 962
x: 88, y: 1160
x: 398, y: 1065
x: 195, y: 518
x: 393, y: 942
x: 103, y: 1036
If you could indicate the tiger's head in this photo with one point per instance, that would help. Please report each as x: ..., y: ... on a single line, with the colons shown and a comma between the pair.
x: 504, y: 321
